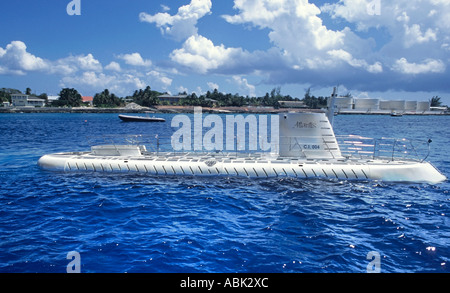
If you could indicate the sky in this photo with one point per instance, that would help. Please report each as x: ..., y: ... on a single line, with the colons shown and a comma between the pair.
x: 370, y: 48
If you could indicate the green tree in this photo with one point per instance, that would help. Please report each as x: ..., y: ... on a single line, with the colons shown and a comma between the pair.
x: 146, y: 97
x: 435, y: 101
x: 106, y: 99
x: 5, y: 94
x: 314, y: 102
x: 69, y: 97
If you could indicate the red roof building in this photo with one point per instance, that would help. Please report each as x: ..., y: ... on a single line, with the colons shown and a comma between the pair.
x: 87, y: 99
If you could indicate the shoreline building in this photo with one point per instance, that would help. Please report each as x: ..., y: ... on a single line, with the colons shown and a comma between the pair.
x: 171, y: 99
x: 292, y: 104
x: 87, y: 100
x: 22, y: 100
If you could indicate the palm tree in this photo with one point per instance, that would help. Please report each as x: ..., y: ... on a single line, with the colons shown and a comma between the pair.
x: 435, y: 101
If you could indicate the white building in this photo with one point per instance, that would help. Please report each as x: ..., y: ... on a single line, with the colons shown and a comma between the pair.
x: 51, y: 99
x: 171, y: 99
x: 292, y: 104
x: 22, y: 100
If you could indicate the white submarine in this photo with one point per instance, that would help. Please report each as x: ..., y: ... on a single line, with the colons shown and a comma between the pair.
x: 308, y: 148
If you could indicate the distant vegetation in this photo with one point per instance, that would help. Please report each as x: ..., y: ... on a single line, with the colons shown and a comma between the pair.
x: 435, y: 102
x: 106, y: 99
x: 5, y: 94
x: 146, y: 98
x: 314, y: 102
x: 70, y: 97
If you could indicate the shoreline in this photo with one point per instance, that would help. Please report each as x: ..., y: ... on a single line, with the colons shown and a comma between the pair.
x: 190, y: 109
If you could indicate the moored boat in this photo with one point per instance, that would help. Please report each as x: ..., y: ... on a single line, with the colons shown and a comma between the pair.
x: 396, y: 114
x: 130, y: 118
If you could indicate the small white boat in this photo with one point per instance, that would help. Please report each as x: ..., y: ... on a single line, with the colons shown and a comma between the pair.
x: 308, y: 148
x: 129, y: 118
x: 396, y: 114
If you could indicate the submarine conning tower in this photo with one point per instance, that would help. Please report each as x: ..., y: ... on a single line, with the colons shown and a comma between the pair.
x: 307, y: 135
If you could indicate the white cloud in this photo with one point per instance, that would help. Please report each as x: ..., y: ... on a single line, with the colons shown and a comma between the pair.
x: 135, y: 59
x: 212, y: 85
x: 88, y: 62
x: 244, y: 86
x: 414, y: 35
x: 427, y: 66
x: 114, y: 66
x: 260, y: 13
x: 294, y: 25
x: 132, y: 81
x: 201, y: 55
x: 89, y: 78
x: 301, y: 38
x: 15, y: 59
x: 355, y: 11
x: 357, y: 63
x: 413, y: 21
x: 183, y: 24
x: 165, y: 7
x: 121, y: 84
x: 159, y: 78
x: 83, y: 71
x: 72, y: 64
x: 404, y: 30
x: 182, y: 89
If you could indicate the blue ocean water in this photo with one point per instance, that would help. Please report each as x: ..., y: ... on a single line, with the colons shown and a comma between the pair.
x: 141, y: 223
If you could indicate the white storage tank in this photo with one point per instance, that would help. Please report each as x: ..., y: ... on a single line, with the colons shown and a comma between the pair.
x: 398, y: 105
x: 343, y: 103
x: 410, y: 105
x: 367, y: 104
x: 385, y: 105
x: 423, y: 106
